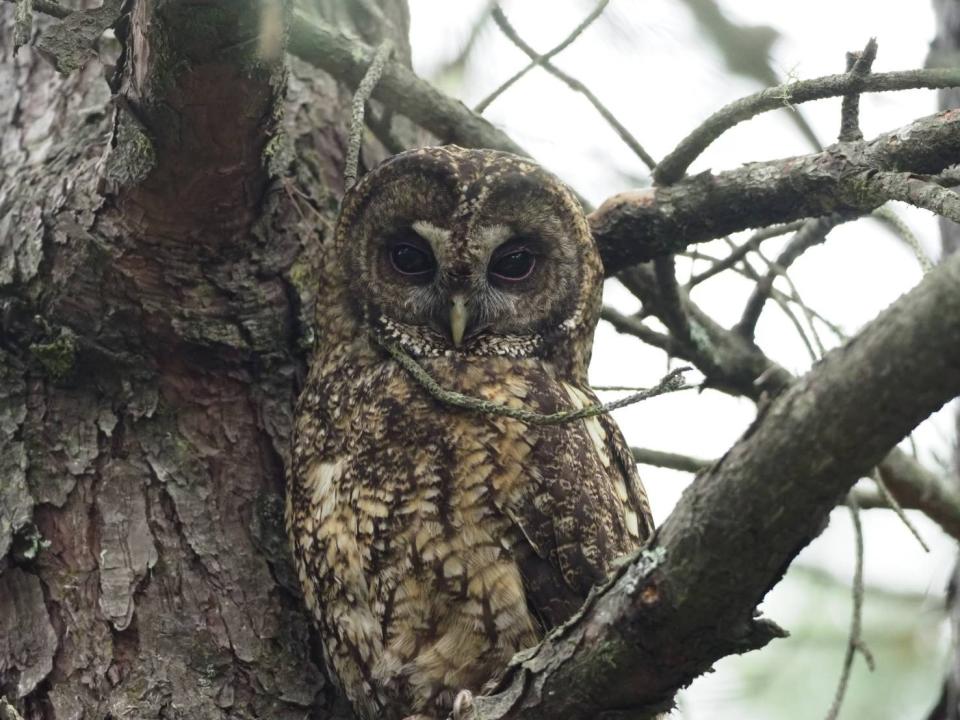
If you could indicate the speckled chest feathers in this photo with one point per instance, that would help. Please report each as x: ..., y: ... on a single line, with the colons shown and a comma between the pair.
x: 433, y: 543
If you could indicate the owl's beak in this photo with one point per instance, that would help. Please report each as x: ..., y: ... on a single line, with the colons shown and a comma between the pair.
x: 458, y: 318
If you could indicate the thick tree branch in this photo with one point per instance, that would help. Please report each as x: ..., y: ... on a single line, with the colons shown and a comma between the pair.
x: 689, y: 599
x: 399, y: 88
x: 639, y: 225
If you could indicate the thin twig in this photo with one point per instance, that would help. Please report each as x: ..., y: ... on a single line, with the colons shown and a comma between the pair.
x: 671, y: 310
x: 858, y: 65
x: 360, y: 98
x: 631, y: 325
x: 889, y: 217
x: 48, y: 7
x: 813, y: 233
x: 575, y: 85
x: 466, y: 49
x: 896, y: 507
x: 736, y: 255
x: 673, y: 461
x: 794, y: 296
x: 855, y: 641
x: 541, y: 59
x: 674, y: 166
x: 781, y: 299
x: 672, y: 382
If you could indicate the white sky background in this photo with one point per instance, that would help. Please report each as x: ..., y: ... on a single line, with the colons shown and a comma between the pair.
x: 651, y: 65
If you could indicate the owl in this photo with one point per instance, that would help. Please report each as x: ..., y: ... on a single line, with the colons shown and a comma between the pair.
x: 432, y: 543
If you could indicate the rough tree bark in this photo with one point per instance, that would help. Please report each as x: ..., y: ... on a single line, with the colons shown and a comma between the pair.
x: 156, y: 285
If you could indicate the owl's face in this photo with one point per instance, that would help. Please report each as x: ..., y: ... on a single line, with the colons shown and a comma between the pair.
x: 469, y: 251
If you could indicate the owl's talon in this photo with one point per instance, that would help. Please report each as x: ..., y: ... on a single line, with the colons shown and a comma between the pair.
x: 463, y: 705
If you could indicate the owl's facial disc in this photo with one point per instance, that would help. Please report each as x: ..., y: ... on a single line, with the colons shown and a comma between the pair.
x: 470, y: 251
x: 490, y: 281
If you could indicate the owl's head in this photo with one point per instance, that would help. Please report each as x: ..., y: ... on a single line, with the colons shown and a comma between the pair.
x: 476, y: 252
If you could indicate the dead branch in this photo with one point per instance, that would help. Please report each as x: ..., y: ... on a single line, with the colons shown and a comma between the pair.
x: 674, y: 165
x: 541, y: 59
x: 576, y: 86
x: 739, y: 367
x: 399, y: 88
x: 640, y: 225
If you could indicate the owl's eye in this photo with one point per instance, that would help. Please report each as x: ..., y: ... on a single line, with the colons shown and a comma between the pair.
x: 410, y: 260
x: 513, y: 265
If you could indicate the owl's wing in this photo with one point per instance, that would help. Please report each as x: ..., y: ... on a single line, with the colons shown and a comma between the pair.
x: 579, y: 504
x: 636, y: 493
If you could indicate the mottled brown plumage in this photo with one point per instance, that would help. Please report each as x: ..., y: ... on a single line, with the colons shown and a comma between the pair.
x: 433, y: 543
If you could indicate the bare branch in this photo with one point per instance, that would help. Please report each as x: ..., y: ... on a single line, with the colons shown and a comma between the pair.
x: 671, y: 382
x: 22, y: 23
x: 916, y: 487
x: 855, y: 641
x: 639, y: 225
x: 673, y: 461
x: 674, y: 166
x: 360, y: 98
x: 633, y: 326
x: 399, y: 88
x: 908, y: 188
x: 813, y: 233
x: 575, y: 85
x: 816, y: 439
x: 672, y: 312
x: 739, y: 253
x: 541, y: 59
x: 740, y: 367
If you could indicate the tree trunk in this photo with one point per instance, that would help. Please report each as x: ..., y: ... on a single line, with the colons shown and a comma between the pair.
x: 160, y: 257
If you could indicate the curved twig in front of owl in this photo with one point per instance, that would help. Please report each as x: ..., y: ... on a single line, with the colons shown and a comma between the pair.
x: 671, y: 382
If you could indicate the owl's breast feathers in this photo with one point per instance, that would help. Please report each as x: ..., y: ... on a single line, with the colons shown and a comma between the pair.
x: 432, y: 542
